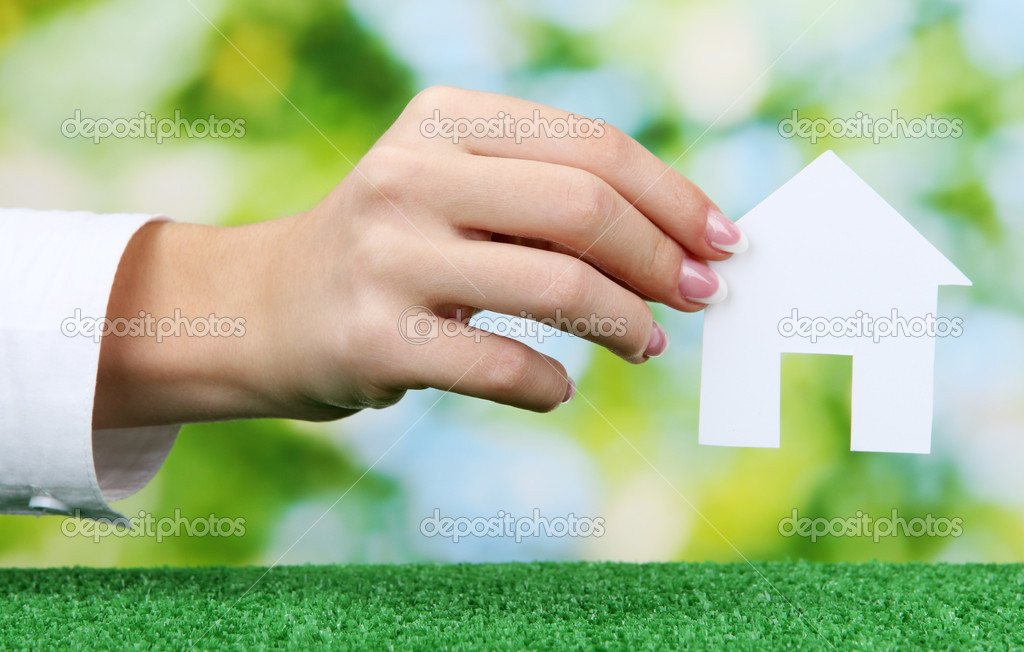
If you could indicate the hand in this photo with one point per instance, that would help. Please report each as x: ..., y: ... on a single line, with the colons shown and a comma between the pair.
x: 576, y: 228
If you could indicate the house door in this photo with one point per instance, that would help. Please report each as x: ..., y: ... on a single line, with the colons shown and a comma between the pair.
x: 816, y: 400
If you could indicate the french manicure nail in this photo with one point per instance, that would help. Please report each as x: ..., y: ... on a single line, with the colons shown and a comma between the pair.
x: 658, y: 342
x: 724, y: 235
x: 700, y: 283
x: 570, y: 391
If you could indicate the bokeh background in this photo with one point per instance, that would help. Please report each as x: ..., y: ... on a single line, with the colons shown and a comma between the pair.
x: 702, y: 84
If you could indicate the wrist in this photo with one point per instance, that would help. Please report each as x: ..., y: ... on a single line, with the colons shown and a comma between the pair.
x: 194, y: 290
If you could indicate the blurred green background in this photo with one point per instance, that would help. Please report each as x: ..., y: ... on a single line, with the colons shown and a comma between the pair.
x: 702, y: 84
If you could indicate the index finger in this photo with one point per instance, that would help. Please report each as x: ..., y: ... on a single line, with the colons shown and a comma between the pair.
x: 666, y: 197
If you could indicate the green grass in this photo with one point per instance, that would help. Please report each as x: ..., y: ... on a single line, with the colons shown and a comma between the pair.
x: 517, y: 606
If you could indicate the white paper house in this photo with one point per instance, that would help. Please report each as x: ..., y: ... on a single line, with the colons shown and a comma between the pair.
x: 827, y: 246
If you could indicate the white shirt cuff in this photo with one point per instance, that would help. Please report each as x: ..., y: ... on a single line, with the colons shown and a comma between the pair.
x: 55, y: 265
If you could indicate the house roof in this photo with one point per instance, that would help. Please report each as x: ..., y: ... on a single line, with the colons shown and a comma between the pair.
x: 828, y: 217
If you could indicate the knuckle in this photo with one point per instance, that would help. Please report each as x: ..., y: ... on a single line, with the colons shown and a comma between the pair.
x: 658, y: 263
x: 391, y: 172
x: 588, y: 203
x: 381, y: 254
x: 569, y: 287
x: 690, y: 200
x: 513, y: 369
x: 433, y: 97
x: 614, y: 152
x: 638, y: 331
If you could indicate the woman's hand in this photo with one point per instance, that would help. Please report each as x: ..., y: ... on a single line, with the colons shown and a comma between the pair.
x: 368, y: 294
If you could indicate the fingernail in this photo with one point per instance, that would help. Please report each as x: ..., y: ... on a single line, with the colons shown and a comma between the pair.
x: 700, y: 283
x: 570, y: 391
x: 658, y: 342
x: 724, y: 235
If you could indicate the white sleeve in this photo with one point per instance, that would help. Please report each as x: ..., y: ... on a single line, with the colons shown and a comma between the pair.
x: 56, y: 266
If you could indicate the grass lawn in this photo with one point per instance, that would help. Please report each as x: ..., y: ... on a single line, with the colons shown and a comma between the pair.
x: 517, y: 606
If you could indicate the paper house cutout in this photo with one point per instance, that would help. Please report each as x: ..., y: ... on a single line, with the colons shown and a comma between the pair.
x: 828, y: 247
